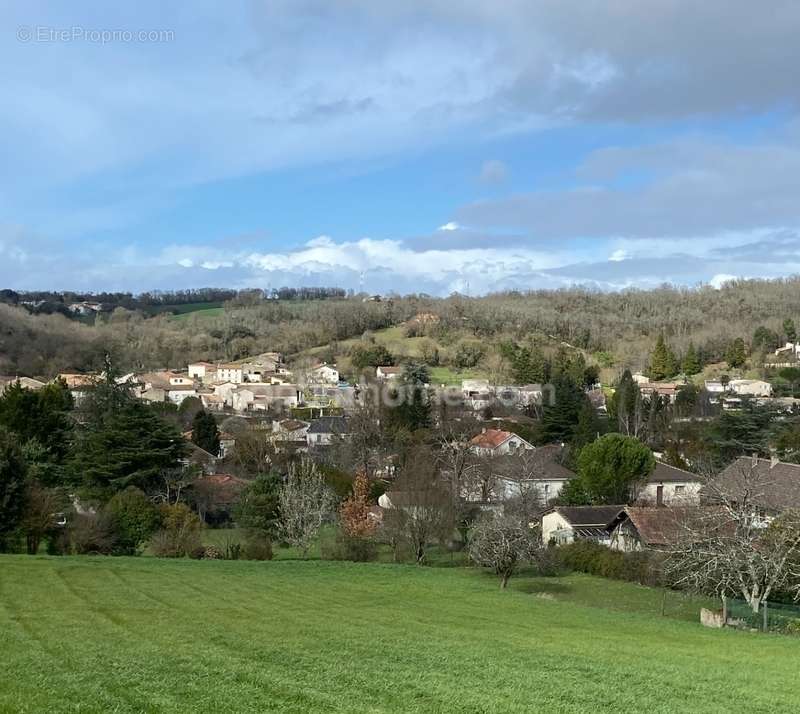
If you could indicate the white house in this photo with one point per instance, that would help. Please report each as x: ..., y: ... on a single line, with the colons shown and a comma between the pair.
x: 387, y: 373
x: 263, y: 397
x: 495, y: 442
x: 204, y: 371
x: 669, y: 486
x: 565, y: 524
x: 230, y: 373
x: 181, y: 380
x: 750, y: 387
x: 547, y: 477
x: 324, y: 374
x: 177, y: 393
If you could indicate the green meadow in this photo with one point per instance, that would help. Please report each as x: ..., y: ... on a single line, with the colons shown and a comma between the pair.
x: 100, y: 634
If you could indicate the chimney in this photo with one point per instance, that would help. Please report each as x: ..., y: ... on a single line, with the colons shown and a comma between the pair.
x: 774, y: 461
x: 483, y: 430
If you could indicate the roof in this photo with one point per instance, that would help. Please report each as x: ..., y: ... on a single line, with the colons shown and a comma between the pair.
x: 390, y: 370
x: 664, y: 473
x: 773, y: 485
x: 292, y: 424
x: 655, y: 526
x: 588, y: 516
x: 329, y: 425
x: 491, y: 438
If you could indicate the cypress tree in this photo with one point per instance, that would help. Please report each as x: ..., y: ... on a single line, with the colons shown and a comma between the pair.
x: 691, y: 362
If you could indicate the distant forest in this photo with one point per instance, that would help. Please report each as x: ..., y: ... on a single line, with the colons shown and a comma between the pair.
x: 620, y: 328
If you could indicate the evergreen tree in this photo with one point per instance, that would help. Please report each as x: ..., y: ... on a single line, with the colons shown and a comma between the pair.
x: 691, y: 362
x: 789, y: 330
x: 610, y: 468
x: 121, y: 443
x: 625, y: 406
x: 765, y: 339
x: 560, y: 419
x: 663, y: 364
x: 205, y: 433
x: 736, y: 354
x: 12, y: 485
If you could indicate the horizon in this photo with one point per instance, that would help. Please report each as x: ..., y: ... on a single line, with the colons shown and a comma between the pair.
x: 431, y: 148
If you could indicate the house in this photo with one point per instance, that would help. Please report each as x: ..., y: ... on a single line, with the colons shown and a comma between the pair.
x: 85, y: 308
x: 790, y: 349
x: 212, y: 402
x: 495, y: 442
x: 714, y: 386
x: 565, y: 524
x: 668, y: 485
x: 154, y: 395
x: 539, y: 469
x: 24, y: 382
x: 387, y: 373
x: 290, y: 430
x: 230, y: 373
x: 203, y: 371
x: 640, y: 379
x: 78, y: 384
x: 750, y: 387
x: 772, y: 486
x: 177, y: 393
x: 635, y: 528
x: 324, y: 374
x: 201, y: 458
x: 326, y: 430
x: 667, y: 390
x: 181, y: 380
x: 265, y: 397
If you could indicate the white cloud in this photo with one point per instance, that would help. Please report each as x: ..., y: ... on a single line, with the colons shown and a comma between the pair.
x: 618, y: 255
x: 720, y: 279
x: 450, y: 226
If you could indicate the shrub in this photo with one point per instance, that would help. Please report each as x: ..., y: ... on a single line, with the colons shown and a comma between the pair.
x: 257, y: 546
x: 92, y: 534
x: 211, y: 552
x: 134, y: 518
x: 353, y: 548
x: 590, y: 557
x: 180, y: 533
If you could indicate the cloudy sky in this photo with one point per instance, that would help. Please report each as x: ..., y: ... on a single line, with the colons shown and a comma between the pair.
x: 426, y: 146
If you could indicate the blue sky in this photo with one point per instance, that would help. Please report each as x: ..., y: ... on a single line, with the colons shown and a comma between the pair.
x: 426, y: 146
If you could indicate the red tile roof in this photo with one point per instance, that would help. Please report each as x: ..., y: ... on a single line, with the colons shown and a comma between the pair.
x: 491, y: 438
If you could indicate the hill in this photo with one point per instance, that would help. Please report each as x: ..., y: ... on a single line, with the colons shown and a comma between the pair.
x: 125, y: 635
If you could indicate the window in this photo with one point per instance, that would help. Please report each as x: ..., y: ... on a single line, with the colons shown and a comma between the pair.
x: 679, y: 490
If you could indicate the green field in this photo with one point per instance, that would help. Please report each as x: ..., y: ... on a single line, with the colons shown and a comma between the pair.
x: 149, y: 635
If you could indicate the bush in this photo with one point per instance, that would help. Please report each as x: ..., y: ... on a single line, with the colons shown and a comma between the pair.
x: 134, y: 518
x: 180, y: 535
x: 353, y: 548
x: 257, y: 546
x: 92, y: 534
x: 590, y: 557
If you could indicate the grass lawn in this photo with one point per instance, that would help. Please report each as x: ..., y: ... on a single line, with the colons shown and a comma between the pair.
x: 199, y: 312
x: 149, y: 635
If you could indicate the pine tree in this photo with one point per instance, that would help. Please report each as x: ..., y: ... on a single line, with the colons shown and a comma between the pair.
x: 789, y: 329
x: 691, y: 362
x: 736, y: 354
x: 205, y: 433
x: 626, y: 405
x: 662, y: 362
x: 560, y: 419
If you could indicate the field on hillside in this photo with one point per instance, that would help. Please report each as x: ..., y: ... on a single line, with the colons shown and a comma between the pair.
x: 142, y: 634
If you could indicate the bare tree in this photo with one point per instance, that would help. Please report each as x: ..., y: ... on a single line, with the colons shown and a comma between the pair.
x: 305, y: 503
x: 422, y: 506
x: 731, y: 545
x: 503, y: 542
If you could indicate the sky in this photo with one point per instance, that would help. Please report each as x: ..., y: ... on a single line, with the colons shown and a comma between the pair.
x: 429, y: 146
